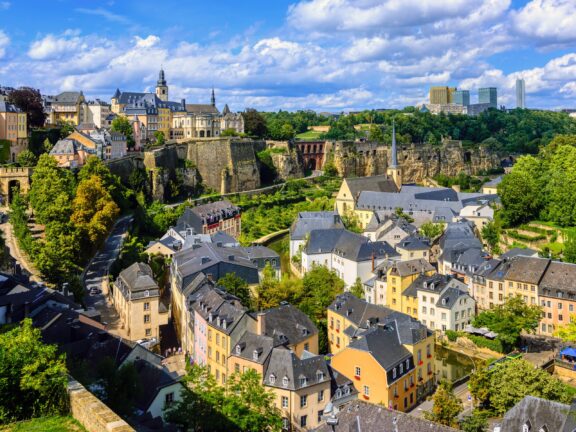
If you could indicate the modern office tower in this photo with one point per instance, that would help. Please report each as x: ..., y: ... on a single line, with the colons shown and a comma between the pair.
x: 461, y: 97
x: 488, y: 95
x: 520, y: 93
x: 441, y: 95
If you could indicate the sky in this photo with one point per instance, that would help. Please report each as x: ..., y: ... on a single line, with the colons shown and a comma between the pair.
x: 325, y: 55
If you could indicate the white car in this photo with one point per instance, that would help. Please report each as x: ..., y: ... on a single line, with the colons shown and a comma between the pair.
x: 147, y: 343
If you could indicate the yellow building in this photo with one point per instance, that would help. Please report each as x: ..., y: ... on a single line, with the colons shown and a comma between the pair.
x: 523, y: 278
x: 390, y: 355
x: 441, y: 95
x: 349, y: 192
x: 413, y: 247
x: 13, y: 128
x: 399, y: 276
x: 66, y: 107
x: 136, y: 298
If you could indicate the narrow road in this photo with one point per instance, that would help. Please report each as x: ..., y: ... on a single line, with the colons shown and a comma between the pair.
x: 96, y: 275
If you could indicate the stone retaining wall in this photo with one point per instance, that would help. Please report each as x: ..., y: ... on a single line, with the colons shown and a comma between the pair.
x: 92, y: 413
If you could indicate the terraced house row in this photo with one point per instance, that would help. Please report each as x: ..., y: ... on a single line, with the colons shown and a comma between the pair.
x: 550, y: 284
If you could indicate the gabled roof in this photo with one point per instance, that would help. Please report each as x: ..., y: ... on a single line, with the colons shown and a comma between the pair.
x: 201, y: 109
x: 514, y: 252
x: 153, y: 379
x: 308, y: 221
x: 288, y: 324
x: 220, y: 309
x: 300, y: 372
x: 560, y: 276
x: 138, y: 277
x: 358, y: 311
x: 538, y: 412
x: 527, y: 269
x: 410, y: 267
x: 413, y: 243
x: 380, y: 183
x: 250, y: 344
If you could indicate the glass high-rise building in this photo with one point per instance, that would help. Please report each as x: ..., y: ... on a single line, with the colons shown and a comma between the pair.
x: 520, y: 93
x: 441, y: 95
x: 488, y: 95
x: 461, y: 97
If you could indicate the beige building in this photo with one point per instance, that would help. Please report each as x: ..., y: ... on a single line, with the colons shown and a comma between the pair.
x: 136, y: 298
x: 441, y: 95
x: 66, y: 107
x: 13, y: 128
x: 351, y: 188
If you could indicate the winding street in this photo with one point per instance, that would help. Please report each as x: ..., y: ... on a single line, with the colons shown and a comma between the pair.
x: 96, y: 275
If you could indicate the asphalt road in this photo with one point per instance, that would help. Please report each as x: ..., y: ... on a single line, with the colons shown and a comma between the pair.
x: 97, y: 270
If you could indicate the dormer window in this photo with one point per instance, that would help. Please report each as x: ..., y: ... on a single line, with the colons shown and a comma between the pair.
x: 319, y: 376
x: 272, y: 378
x: 285, y: 381
x: 224, y: 324
x: 393, y: 373
x: 255, y: 355
x: 401, y: 368
x: 302, y: 381
x: 238, y: 349
x: 146, y: 293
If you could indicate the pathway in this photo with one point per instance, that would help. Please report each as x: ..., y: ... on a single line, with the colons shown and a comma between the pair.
x: 20, y: 257
x: 96, y: 276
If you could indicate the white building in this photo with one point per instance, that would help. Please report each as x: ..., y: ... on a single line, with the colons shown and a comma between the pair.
x: 388, y: 228
x: 308, y: 221
x: 443, y: 302
x: 352, y: 256
x: 96, y: 112
x: 479, y: 214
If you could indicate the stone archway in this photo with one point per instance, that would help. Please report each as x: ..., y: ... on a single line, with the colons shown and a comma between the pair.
x: 13, y: 188
x: 10, y: 177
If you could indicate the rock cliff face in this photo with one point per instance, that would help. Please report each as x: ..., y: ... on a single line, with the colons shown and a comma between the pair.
x: 418, y: 162
x: 357, y: 159
x: 288, y: 164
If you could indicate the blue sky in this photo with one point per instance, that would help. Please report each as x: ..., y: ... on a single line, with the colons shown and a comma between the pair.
x: 331, y: 55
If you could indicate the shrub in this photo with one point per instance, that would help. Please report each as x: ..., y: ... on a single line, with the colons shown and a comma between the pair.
x: 451, y: 335
x: 523, y: 237
x: 492, y: 344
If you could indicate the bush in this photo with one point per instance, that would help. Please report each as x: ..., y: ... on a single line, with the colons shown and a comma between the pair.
x: 452, y: 335
x: 494, y: 345
x: 523, y: 237
x: 536, y: 230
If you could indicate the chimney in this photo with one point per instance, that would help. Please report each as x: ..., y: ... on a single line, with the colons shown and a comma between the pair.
x: 183, y: 102
x: 65, y: 289
x: 26, y: 309
x: 260, y: 323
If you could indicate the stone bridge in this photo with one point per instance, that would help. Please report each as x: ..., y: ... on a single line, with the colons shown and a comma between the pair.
x: 14, y: 177
x: 312, y: 153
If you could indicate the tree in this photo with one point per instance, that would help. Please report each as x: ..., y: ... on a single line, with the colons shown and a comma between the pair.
x: 254, y: 123
x: 475, y: 422
x: 66, y: 128
x: 26, y: 159
x: 491, y: 235
x: 160, y: 138
x: 33, y: 375
x: 569, y: 252
x: 30, y: 101
x: 352, y: 222
x: 567, y: 332
x: 93, y: 210
x: 330, y: 169
x: 357, y: 289
x: 237, y: 286
x: 510, y: 319
x: 400, y: 213
x: 509, y: 382
x: 122, y: 125
x: 375, y: 133
x: 57, y: 256
x: 446, y: 406
x: 51, y: 191
x: 120, y: 386
x: 432, y: 230
x: 229, y: 133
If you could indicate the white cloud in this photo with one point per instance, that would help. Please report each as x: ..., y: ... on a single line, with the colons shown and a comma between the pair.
x: 51, y: 46
x: 548, y: 21
x: 110, y: 16
x: 4, y: 42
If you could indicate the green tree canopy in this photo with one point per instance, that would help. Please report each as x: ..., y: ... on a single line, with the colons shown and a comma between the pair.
x: 446, y: 406
x: 567, y: 332
x: 357, y: 289
x: 33, y: 375
x: 26, y: 159
x: 237, y: 286
x: 510, y: 319
x: 254, y: 123
x: 491, y: 235
x: 122, y: 125
x: 431, y: 230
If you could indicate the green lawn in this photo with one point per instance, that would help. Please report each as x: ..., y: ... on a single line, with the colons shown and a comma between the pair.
x: 309, y: 135
x: 45, y: 424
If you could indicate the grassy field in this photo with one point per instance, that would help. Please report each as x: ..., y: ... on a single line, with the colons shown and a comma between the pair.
x: 309, y: 135
x: 45, y: 424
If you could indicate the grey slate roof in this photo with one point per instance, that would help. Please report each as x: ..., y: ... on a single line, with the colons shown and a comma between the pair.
x: 285, y: 363
x: 222, y: 310
x: 8, y: 107
x: 201, y: 109
x: 138, y: 277
x: 64, y: 147
x: 154, y: 379
x: 527, y: 269
x: 410, y: 267
x: 381, y: 183
x: 449, y: 297
x: 250, y: 343
x: 494, y: 182
x: 210, y: 213
x: 559, y: 276
x: 514, y: 252
x: 383, y: 343
x: 359, y: 416
x: 66, y: 98
x: 538, y: 412
x: 288, y: 324
x: 413, y: 243
x: 347, y: 244
x: 308, y: 221
x: 359, y: 311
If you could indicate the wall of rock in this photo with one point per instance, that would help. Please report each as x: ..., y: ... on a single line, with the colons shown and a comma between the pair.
x: 289, y: 164
x: 357, y: 159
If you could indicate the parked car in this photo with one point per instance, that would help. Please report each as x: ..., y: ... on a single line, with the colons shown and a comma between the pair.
x: 147, y: 343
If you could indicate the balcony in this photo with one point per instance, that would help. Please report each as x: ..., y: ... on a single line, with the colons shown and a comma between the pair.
x: 366, y: 397
x: 357, y: 377
x: 428, y: 355
x: 420, y: 363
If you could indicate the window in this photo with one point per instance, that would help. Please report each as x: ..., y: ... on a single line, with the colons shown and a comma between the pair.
x: 357, y: 371
x: 307, y: 346
x: 560, y: 318
x: 285, y: 423
x: 432, y: 311
x: 559, y: 305
x: 319, y: 419
x: 423, y: 298
x: 571, y: 308
x: 147, y: 306
x: 366, y: 391
x: 394, y: 373
x: 236, y: 367
x: 284, y: 401
x: 146, y: 318
x: 303, y: 421
x: 272, y: 379
x: 217, y: 339
x: 424, y: 310
x: 148, y: 332
x: 320, y: 395
x: 209, y: 352
x: 285, y: 381
x: 319, y: 376
x: 303, y: 401
x: 444, y: 316
x: 168, y: 399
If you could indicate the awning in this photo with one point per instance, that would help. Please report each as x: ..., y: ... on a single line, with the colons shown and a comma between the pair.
x: 569, y: 352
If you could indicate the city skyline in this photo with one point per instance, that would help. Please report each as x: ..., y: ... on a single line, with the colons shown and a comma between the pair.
x: 327, y: 55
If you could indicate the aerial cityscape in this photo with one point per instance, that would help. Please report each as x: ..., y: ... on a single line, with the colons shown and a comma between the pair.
x: 304, y: 215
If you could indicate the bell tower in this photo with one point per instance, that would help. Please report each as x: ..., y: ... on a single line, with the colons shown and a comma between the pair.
x: 162, y: 87
x: 393, y: 170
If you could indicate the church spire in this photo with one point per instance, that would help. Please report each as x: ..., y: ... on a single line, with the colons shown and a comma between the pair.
x: 394, y: 161
x: 213, y: 99
x: 161, y: 78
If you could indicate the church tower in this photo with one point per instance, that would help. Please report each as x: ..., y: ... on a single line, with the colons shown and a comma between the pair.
x: 393, y: 170
x: 213, y: 98
x: 162, y: 87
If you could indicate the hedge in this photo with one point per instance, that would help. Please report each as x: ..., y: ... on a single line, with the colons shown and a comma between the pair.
x: 516, y: 235
x: 492, y: 344
x: 536, y: 230
x: 451, y: 335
